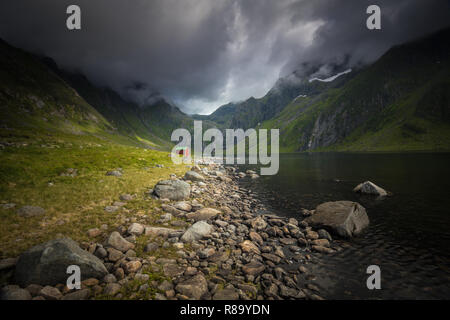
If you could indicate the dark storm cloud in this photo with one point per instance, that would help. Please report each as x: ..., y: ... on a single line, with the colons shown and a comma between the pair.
x: 202, y: 53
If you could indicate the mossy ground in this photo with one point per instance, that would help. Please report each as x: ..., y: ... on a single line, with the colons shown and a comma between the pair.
x: 30, y: 175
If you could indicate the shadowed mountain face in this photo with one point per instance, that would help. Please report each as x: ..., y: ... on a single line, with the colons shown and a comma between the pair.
x: 400, y: 102
x: 33, y: 97
x: 36, y: 96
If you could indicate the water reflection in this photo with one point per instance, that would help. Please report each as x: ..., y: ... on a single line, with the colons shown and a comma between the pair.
x: 408, y: 234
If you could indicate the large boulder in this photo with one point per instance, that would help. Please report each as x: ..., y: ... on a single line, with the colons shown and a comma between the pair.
x: 172, y: 189
x: 197, y: 231
x: 370, y: 188
x: 46, y: 264
x: 344, y: 218
x: 193, y: 176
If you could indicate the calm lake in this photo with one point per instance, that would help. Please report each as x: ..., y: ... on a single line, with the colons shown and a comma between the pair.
x: 409, y: 233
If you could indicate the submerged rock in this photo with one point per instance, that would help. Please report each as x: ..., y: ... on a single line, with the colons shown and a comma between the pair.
x: 172, y: 189
x: 370, y: 188
x: 344, y: 218
x: 46, y: 264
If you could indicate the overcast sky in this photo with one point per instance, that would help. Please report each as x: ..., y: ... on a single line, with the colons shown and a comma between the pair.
x: 205, y: 53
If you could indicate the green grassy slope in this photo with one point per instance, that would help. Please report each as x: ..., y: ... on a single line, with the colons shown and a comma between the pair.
x: 251, y: 112
x: 37, y: 99
x: 401, y: 102
x: 33, y: 98
x: 124, y: 116
x: 47, y: 127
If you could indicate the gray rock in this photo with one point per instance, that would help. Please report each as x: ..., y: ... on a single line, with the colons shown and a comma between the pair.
x: 116, y: 241
x: 14, y: 293
x: 183, y: 205
x: 7, y: 206
x: 110, y: 278
x: 253, y: 268
x: 370, y: 188
x: 114, y: 173
x: 194, y: 287
x: 100, y: 252
x: 111, y: 289
x: 172, y: 210
x: 172, y: 270
x: 160, y: 232
x: 46, y: 264
x: 136, y: 229
x: 111, y: 209
x: 165, y: 285
x: 226, y: 294
x: 82, y: 294
x: 172, y: 189
x: 114, y: 254
x: 50, y: 293
x: 344, y: 218
x: 142, y: 277
x: 323, y: 234
x: 203, y: 214
x: 197, y: 231
x: 126, y: 197
x: 152, y: 246
x: 34, y: 289
x: 259, y: 223
x: 7, y: 263
x: 193, y: 176
x: 30, y: 211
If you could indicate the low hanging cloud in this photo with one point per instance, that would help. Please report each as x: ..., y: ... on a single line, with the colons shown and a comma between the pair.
x: 204, y: 53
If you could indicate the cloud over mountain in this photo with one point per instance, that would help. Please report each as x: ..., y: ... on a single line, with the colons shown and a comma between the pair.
x: 203, y: 53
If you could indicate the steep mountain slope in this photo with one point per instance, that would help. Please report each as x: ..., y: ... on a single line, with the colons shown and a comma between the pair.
x: 32, y: 97
x: 401, y: 102
x: 151, y: 123
x: 124, y: 116
x: 251, y: 112
x: 37, y: 99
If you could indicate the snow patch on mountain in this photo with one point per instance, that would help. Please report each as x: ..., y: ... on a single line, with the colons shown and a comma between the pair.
x: 300, y: 96
x: 331, y: 78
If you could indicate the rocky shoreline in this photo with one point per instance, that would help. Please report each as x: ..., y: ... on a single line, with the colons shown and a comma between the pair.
x: 223, y: 250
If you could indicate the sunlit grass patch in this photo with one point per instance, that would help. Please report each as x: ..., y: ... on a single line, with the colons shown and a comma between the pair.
x: 31, y: 176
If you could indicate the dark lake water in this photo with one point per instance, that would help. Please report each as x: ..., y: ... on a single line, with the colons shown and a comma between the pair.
x: 409, y: 233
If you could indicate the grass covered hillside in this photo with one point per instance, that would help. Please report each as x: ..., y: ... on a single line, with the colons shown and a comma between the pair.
x: 124, y: 116
x: 34, y: 99
x: 56, y: 145
x: 399, y: 103
x: 41, y: 176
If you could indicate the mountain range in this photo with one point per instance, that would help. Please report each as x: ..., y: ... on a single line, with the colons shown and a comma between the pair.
x: 401, y: 102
